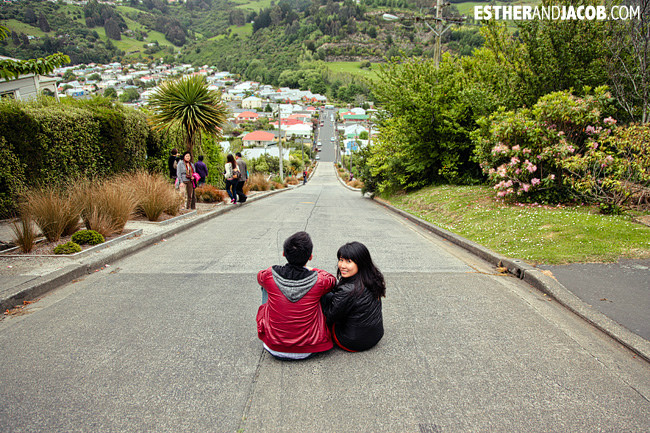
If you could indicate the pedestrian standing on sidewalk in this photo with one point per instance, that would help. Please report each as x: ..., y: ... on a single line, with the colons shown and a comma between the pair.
x: 172, y: 163
x: 231, y: 174
x: 243, y: 170
x: 185, y: 172
x: 353, y: 308
x: 201, y: 170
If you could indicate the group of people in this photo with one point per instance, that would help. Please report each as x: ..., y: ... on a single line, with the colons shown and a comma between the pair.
x: 189, y: 176
x: 236, y: 174
x: 306, y: 311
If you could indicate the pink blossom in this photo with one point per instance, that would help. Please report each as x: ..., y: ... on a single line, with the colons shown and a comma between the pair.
x: 609, y: 121
x: 531, y: 168
x: 517, y: 171
x: 516, y: 148
x: 539, y: 156
x: 590, y: 130
x: 526, y: 151
x: 514, y: 160
x: 501, y: 193
x: 508, y: 184
x: 571, y: 149
x: 534, y: 181
x: 560, y: 133
x: 525, y: 187
x: 552, y: 177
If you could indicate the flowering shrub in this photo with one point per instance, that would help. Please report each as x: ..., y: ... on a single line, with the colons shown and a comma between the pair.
x: 613, y: 169
x: 525, y: 152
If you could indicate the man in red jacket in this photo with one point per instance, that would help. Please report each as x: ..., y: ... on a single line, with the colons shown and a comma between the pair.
x: 290, y: 322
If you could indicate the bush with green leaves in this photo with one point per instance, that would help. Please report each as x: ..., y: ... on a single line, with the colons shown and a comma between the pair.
x: 67, y: 140
x: 424, y: 137
x: 89, y: 237
x: 67, y: 248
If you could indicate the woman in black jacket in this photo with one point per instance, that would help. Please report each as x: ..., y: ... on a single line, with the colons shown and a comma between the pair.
x: 353, y: 308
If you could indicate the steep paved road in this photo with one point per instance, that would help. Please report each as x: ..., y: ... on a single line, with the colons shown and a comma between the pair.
x: 165, y: 340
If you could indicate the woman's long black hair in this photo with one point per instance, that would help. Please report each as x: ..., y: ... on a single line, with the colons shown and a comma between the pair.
x: 369, y: 276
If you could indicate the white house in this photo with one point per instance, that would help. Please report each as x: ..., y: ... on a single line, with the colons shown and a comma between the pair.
x: 301, y: 130
x: 27, y: 86
x: 256, y: 152
x: 352, y: 131
x: 252, y: 103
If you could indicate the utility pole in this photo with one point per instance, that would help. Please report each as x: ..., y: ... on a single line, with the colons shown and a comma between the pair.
x: 280, y: 142
x: 438, y: 31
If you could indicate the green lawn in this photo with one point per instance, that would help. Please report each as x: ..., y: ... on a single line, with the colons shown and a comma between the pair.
x: 353, y: 68
x: 253, y: 5
x: 536, y: 234
x: 20, y: 27
x: 244, y: 31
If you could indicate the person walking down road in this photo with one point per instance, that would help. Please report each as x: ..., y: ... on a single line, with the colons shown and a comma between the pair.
x: 232, y: 177
x: 304, y: 177
x: 201, y: 170
x: 243, y: 170
x: 172, y: 163
x: 353, y: 308
x: 185, y: 173
x: 290, y: 321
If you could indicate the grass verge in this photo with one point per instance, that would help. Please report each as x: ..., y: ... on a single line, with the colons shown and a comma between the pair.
x: 536, y: 234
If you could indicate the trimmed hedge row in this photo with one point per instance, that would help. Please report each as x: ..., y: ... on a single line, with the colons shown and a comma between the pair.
x: 44, y: 141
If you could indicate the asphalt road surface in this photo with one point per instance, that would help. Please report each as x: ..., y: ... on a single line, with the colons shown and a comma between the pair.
x: 165, y: 340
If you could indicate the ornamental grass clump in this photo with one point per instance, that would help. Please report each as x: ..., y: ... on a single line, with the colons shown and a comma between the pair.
x: 258, y: 182
x: 24, y: 233
x: 53, y: 211
x: 106, y: 205
x: 208, y: 194
x: 154, y: 195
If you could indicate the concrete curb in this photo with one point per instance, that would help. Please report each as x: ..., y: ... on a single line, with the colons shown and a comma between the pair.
x: 43, y: 284
x: 540, y: 281
x: 342, y: 182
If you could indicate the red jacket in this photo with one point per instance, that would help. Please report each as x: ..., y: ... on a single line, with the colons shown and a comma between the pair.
x: 299, y: 326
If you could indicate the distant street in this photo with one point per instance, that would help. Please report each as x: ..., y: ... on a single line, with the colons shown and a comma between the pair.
x: 165, y: 340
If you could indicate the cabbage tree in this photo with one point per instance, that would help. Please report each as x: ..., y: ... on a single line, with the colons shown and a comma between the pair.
x: 188, y: 104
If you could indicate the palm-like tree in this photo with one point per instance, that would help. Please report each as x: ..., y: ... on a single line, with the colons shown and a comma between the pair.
x: 189, y: 104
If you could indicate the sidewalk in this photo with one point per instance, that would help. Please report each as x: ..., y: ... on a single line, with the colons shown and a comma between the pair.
x: 606, y: 295
x: 24, y: 278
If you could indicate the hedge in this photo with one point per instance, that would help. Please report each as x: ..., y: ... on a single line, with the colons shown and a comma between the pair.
x: 43, y: 141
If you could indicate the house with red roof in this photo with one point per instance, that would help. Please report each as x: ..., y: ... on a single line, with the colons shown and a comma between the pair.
x: 259, y: 139
x: 246, y: 116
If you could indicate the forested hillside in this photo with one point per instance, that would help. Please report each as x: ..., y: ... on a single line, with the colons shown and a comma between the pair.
x: 280, y: 44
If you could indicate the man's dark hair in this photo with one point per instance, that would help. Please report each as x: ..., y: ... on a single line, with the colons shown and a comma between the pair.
x: 298, y: 248
x: 174, y: 151
x: 200, y: 157
x: 238, y: 154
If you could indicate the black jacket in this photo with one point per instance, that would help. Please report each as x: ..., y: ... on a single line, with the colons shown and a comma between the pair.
x: 355, y: 315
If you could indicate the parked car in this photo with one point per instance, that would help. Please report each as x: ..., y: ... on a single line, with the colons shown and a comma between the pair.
x: 333, y: 139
